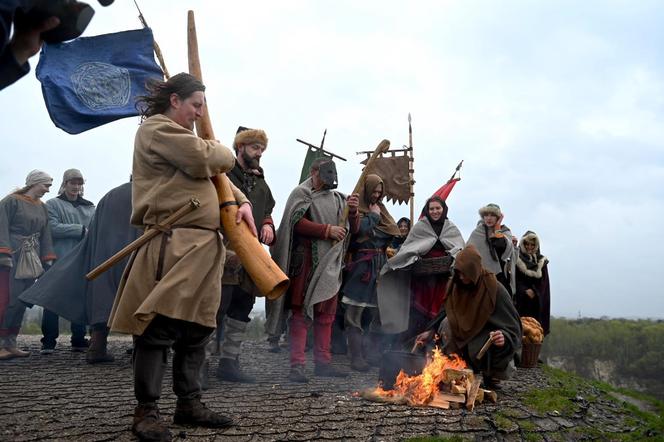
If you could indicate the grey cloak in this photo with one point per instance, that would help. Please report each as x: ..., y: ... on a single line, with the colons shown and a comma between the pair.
x: 478, y: 239
x: 64, y: 289
x: 325, y: 207
x: 394, y: 280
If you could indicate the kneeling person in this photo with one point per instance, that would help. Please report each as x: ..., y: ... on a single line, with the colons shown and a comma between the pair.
x: 479, y: 308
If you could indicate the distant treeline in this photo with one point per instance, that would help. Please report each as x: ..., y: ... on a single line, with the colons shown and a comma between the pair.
x: 635, y: 347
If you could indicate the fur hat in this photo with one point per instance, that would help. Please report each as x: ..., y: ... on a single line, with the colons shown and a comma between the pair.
x: 532, y: 237
x: 70, y: 174
x: 245, y: 135
x: 491, y: 209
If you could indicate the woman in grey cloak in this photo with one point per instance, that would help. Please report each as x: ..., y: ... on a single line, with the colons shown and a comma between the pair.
x: 493, y: 241
x: 408, y: 303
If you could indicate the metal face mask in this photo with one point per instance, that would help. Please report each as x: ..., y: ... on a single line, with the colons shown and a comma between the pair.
x: 328, y: 175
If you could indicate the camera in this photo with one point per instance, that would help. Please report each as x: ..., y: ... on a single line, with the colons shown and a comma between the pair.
x: 74, y: 17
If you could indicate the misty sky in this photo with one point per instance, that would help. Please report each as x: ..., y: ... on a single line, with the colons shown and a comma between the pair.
x: 557, y: 109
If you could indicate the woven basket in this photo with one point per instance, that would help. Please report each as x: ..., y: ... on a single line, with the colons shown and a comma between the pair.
x: 529, y: 355
x: 433, y: 266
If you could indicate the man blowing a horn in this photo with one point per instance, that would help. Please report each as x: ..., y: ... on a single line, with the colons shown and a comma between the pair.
x: 239, y: 292
x: 170, y: 292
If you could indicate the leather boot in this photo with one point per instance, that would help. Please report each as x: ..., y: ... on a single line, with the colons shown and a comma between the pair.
x: 10, y: 346
x: 205, y: 376
x: 273, y: 344
x: 328, y: 371
x: 98, y: 350
x: 373, y: 349
x: 229, y: 370
x: 148, y: 424
x: 194, y: 412
x: 297, y: 374
x: 357, y: 362
x: 4, y: 353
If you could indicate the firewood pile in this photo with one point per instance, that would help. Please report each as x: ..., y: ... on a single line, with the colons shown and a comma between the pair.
x: 444, y: 383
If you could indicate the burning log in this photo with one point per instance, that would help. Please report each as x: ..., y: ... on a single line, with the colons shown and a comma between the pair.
x: 384, y: 396
x: 437, y: 402
x: 451, y: 397
x: 480, y: 396
x: 472, y: 394
x: 453, y: 374
x: 458, y: 389
x: 445, y: 382
x: 491, y: 396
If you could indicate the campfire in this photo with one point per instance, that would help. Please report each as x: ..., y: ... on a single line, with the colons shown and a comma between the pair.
x: 445, y: 382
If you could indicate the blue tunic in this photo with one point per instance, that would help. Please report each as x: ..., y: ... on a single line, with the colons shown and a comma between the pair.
x: 367, y: 249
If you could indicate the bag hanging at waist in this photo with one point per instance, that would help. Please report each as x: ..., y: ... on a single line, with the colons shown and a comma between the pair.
x: 29, y: 265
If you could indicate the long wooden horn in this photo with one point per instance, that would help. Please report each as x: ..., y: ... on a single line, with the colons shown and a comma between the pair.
x: 264, y: 272
x: 382, y: 147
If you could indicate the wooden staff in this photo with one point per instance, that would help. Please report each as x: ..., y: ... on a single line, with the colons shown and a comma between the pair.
x: 264, y: 272
x: 411, y: 172
x: 144, y: 238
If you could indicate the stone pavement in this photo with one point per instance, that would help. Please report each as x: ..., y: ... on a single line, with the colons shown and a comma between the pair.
x: 60, y: 397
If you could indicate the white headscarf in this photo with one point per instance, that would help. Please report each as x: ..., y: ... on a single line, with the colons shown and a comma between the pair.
x: 37, y: 177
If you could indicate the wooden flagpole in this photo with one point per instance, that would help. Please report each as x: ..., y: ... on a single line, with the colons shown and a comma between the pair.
x: 157, y: 49
x: 411, y: 171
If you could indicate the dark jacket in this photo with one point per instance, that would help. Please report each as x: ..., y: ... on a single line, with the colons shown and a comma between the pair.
x: 64, y: 289
x: 258, y: 192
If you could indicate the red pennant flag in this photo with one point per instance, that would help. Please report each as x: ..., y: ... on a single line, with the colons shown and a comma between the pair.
x: 446, y: 189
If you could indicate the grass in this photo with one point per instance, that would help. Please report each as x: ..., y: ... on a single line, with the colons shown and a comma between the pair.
x: 503, y: 423
x: 565, y: 387
x: 558, y: 397
x: 437, y: 439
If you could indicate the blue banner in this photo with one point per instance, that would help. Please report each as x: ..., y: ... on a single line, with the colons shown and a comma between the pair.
x: 92, y: 81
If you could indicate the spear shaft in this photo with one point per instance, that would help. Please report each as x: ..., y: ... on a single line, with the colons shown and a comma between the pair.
x: 411, y: 170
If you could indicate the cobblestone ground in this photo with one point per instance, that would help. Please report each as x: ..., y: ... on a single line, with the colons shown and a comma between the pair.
x: 60, y: 397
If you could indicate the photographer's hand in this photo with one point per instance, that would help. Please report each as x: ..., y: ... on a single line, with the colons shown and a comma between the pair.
x: 26, y: 42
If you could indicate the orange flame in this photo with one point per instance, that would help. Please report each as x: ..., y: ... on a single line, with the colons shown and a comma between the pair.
x: 420, y: 389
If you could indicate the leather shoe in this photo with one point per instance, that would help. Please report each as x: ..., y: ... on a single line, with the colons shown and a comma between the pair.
x: 194, y: 412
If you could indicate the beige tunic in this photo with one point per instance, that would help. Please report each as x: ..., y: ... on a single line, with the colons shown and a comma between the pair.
x: 172, y: 165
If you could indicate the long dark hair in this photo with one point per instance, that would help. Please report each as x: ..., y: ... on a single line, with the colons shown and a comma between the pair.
x: 158, y: 99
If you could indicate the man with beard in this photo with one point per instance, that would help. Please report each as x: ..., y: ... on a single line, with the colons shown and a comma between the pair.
x: 238, y: 291
x: 310, y: 247
x: 368, y: 255
x: 478, y: 308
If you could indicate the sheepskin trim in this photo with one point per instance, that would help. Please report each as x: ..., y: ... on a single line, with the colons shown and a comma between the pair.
x: 529, y: 237
x: 490, y: 209
x: 537, y: 273
x: 250, y: 136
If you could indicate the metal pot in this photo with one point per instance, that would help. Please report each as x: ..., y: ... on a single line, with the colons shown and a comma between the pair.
x: 394, y: 361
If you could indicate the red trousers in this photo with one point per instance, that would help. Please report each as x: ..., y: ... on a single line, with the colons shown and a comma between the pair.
x: 299, y: 325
